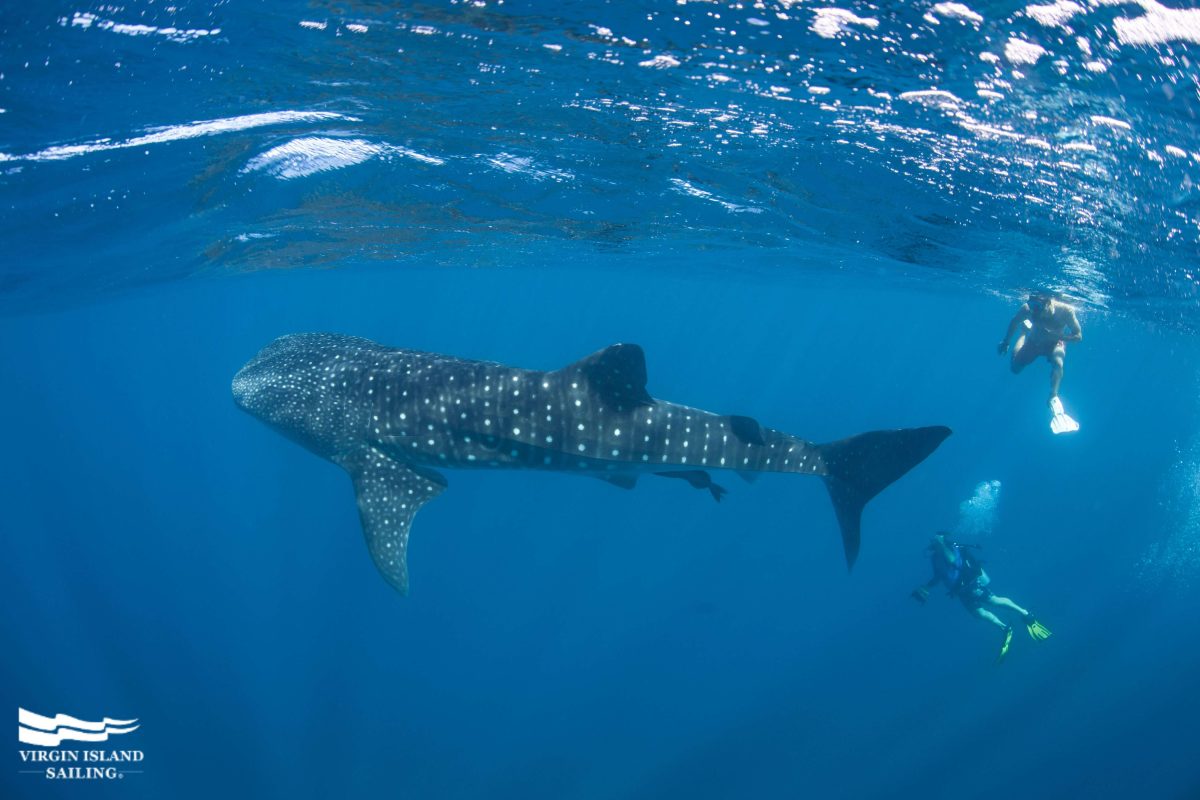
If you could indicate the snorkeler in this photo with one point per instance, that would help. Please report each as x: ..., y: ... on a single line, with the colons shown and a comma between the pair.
x: 1049, y: 325
x: 965, y: 578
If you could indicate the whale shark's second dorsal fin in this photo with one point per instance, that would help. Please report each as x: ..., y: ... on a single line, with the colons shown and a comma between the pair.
x: 389, y: 494
x: 617, y: 374
x: 748, y: 429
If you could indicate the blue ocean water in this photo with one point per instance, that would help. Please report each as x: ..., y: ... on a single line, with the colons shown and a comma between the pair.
x: 822, y: 217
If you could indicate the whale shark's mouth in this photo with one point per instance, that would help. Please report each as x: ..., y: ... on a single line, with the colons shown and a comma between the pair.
x: 251, y: 388
x: 243, y: 388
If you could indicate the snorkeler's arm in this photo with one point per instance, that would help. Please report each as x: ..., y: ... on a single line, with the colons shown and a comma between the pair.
x: 1071, y: 331
x: 1021, y: 315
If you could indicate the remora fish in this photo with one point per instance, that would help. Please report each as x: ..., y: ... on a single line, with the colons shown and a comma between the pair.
x: 390, y: 416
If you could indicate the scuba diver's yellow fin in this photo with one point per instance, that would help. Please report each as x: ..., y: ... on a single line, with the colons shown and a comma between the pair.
x: 1037, y: 630
x: 1004, y: 647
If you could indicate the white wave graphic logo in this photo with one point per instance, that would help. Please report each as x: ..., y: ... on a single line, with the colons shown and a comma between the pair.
x: 52, y: 731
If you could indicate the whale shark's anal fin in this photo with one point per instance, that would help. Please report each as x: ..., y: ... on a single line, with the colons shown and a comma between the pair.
x: 858, y: 468
x: 622, y: 481
x: 699, y: 479
x: 617, y: 374
x: 389, y: 494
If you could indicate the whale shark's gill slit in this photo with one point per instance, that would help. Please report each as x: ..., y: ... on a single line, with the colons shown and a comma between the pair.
x: 389, y: 494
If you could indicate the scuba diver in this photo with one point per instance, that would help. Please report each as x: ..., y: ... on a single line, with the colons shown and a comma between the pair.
x: 964, y: 577
x: 1049, y: 324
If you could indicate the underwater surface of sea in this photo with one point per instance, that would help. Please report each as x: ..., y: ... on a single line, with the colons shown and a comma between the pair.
x: 819, y: 215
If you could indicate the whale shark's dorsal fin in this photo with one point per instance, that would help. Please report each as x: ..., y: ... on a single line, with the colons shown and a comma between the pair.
x: 389, y: 494
x: 617, y: 374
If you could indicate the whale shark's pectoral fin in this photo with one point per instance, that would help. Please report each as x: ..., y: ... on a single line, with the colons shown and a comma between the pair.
x: 389, y: 493
x: 617, y: 374
x: 699, y: 479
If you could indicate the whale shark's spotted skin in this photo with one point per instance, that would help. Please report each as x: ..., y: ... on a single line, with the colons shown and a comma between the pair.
x: 390, y: 416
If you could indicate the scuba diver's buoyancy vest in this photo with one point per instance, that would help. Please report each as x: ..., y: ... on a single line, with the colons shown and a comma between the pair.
x: 970, y: 569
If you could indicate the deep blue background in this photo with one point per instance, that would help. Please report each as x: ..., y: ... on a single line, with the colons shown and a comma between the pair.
x: 168, y: 557
x: 790, y: 234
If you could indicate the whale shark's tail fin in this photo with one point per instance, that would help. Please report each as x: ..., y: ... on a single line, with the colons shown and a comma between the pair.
x: 858, y: 468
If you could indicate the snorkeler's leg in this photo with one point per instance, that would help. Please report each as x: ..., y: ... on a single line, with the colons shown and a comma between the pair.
x: 1056, y: 368
x: 1020, y: 355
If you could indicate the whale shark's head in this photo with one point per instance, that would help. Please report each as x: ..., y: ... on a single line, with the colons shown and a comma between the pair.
x: 289, y: 385
x: 268, y: 389
x: 251, y: 389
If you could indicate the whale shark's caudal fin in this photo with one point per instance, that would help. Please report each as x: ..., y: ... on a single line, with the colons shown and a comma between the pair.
x: 862, y: 466
x: 389, y: 494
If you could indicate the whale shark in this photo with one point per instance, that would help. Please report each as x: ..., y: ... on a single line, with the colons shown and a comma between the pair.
x: 392, y: 418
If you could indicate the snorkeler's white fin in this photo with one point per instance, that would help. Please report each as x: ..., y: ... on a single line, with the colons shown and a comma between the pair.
x: 1060, y: 422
